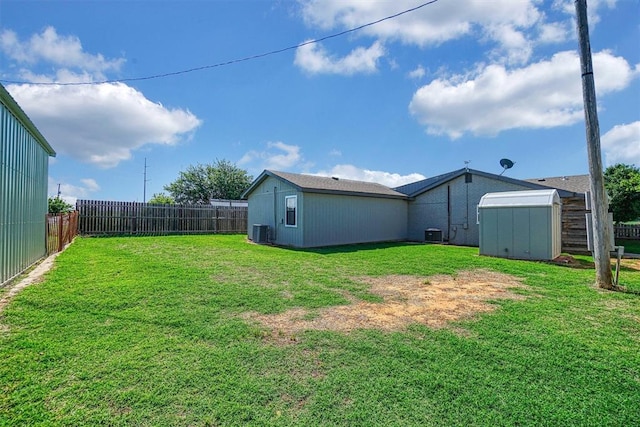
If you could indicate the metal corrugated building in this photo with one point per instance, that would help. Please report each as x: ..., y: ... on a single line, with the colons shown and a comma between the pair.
x: 311, y: 211
x: 24, y: 170
x: 521, y: 224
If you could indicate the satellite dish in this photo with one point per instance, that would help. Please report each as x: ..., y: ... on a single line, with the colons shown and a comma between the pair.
x: 506, y: 164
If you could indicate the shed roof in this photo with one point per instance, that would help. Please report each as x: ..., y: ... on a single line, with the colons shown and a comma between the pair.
x: 16, y: 110
x: 526, y: 198
x: 574, y: 183
x: 323, y: 184
x: 416, y: 188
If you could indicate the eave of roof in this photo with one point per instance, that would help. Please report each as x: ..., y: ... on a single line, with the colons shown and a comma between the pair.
x: 12, y: 105
x: 574, y: 183
x: 326, y: 185
x: 420, y: 187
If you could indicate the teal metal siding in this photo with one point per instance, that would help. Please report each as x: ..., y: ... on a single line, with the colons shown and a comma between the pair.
x: 24, y: 165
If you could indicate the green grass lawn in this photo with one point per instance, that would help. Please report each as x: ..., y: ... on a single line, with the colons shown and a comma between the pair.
x: 153, y: 331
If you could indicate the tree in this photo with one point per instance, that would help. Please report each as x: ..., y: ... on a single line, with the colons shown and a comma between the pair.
x: 201, y: 183
x: 57, y: 205
x: 623, y: 186
x: 161, y: 199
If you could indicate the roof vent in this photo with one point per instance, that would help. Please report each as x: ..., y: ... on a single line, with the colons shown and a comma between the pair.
x: 541, y: 180
x: 335, y: 177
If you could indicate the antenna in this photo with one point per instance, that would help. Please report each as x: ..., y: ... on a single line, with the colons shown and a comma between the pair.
x: 506, y: 164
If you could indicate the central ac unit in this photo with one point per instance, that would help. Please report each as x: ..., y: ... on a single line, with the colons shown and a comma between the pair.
x: 260, y: 233
x: 433, y: 235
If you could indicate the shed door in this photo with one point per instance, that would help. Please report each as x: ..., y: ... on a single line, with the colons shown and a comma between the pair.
x: 541, y: 233
x: 521, y: 234
x: 505, y: 233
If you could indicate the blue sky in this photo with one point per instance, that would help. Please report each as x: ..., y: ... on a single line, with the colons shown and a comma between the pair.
x: 415, y: 96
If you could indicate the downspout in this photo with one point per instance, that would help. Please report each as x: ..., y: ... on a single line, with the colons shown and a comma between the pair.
x: 448, y: 213
x: 275, y: 213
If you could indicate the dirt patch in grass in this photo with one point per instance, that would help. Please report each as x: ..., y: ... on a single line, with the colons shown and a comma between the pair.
x: 569, y: 261
x: 630, y: 263
x: 433, y: 301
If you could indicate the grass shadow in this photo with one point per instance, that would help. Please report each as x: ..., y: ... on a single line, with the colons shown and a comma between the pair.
x: 330, y: 250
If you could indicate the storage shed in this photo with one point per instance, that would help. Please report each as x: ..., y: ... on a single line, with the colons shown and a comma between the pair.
x: 521, y: 224
x: 24, y: 170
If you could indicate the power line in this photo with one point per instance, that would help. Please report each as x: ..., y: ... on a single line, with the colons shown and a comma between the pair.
x: 233, y: 61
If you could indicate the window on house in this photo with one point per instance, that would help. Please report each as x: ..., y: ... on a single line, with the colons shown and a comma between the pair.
x: 291, y: 211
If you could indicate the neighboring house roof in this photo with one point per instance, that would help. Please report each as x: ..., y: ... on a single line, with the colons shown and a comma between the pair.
x: 416, y: 188
x: 573, y: 183
x: 322, y: 184
x: 13, y: 106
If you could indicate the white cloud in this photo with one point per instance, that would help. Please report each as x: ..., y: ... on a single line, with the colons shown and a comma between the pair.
x: 514, y: 47
x: 555, y: 32
x: 541, y: 95
x: 314, y: 59
x: 593, y: 7
x: 501, y: 21
x: 90, y: 184
x: 418, y: 73
x: 335, y: 153
x: 621, y: 144
x: 277, y: 156
x: 102, y: 123
x: 70, y: 193
x: 385, y: 178
x: 60, y: 51
x: 284, y: 157
x: 96, y: 123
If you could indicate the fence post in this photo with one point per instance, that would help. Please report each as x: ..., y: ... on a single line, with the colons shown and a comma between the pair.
x: 59, y: 232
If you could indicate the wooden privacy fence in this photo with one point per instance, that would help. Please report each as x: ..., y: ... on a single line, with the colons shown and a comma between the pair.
x: 627, y: 231
x: 104, y: 218
x: 61, y: 229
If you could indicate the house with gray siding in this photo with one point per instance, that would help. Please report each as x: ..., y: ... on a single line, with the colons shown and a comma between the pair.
x: 449, y: 202
x: 311, y: 211
x: 24, y: 170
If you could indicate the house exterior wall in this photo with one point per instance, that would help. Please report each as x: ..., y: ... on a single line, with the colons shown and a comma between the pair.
x: 24, y: 168
x: 266, y: 206
x: 338, y: 219
x: 452, y: 208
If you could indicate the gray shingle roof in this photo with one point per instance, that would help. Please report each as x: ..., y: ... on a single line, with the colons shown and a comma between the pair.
x: 417, y: 188
x: 323, y: 184
x: 574, y: 183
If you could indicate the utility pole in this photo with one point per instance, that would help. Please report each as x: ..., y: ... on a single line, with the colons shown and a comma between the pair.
x: 599, y: 203
x: 144, y: 190
x: 58, y: 190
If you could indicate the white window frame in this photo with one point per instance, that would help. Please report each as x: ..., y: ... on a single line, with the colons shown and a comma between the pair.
x: 295, y: 212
